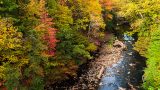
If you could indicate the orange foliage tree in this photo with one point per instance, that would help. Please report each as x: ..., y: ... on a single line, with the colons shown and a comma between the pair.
x: 107, y: 7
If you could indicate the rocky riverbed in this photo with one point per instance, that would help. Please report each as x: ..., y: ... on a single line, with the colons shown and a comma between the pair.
x: 108, y: 55
x: 127, y: 73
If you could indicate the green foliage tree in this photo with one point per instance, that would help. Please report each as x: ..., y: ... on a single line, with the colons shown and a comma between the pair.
x: 8, y: 7
x: 152, y: 77
x: 12, y: 54
x: 87, y: 17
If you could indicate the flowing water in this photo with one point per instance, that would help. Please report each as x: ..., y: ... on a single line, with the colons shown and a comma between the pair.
x: 125, y: 74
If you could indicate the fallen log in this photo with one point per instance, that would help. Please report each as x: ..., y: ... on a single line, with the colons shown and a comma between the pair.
x: 100, y: 72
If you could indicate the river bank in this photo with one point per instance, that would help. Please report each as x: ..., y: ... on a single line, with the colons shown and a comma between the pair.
x: 89, y: 74
x: 109, y: 54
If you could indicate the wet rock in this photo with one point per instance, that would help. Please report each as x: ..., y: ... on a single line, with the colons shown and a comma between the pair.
x: 119, y: 44
x: 131, y: 64
x: 120, y: 88
x: 130, y: 53
x: 100, y: 83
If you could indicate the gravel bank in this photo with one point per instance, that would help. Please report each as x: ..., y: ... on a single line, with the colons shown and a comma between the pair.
x: 108, y: 56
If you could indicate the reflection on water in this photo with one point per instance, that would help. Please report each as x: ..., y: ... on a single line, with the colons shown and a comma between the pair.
x: 126, y: 73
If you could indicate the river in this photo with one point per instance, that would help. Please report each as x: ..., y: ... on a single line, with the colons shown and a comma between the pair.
x: 127, y: 73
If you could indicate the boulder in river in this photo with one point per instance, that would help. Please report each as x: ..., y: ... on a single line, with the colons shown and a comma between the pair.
x: 119, y: 44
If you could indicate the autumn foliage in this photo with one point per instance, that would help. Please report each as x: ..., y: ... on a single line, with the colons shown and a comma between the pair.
x: 45, y: 41
x: 50, y: 33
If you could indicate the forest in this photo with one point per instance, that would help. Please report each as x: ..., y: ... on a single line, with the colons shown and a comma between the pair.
x: 43, y: 42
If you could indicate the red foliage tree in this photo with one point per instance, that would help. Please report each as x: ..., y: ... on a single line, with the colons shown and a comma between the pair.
x: 46, y: 26
x: 50, y: 32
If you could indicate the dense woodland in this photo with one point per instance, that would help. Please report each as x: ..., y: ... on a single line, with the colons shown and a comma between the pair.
x: 45, y: 41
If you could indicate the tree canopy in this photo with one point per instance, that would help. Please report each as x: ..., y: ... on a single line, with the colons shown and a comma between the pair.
x: 44, y: 41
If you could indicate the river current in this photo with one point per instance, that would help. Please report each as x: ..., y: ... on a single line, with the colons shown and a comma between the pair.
x: 127, y: 73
